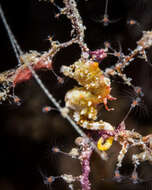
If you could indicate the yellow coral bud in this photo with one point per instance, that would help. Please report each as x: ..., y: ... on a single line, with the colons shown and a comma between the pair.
x: 106, y: 145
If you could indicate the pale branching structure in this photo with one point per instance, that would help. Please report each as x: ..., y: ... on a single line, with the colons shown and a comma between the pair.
x: 81, y: 102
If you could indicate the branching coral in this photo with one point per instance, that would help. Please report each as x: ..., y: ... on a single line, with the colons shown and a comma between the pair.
x: 81, y: 102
